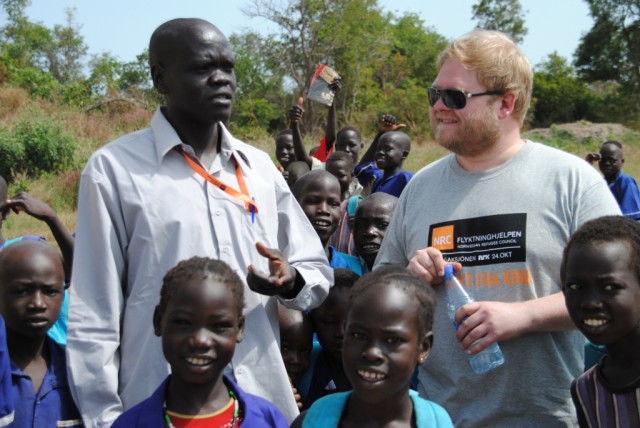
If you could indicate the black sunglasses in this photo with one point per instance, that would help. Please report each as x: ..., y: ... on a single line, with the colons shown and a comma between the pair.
x: 454, y: 99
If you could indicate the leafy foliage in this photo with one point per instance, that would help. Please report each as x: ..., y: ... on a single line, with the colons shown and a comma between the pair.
x: 35, y: 146
x: 610, y: 51
x: 559, y: 95
x: 502, y: 15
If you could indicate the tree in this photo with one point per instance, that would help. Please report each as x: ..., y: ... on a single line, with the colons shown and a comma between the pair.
x: 610, y: 51
x: 30, y: 50
x: 311, y: 32
x: 260, y: 98
x: 559, y: 95
x: 502, y: 15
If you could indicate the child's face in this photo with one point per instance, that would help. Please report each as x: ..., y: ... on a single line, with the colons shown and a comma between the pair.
x: 200, y: 328
x: 32, y: 292
x: 390, y: 153
x: 369, y: 228
x: 284, y: 150
x: 611, y: 160
x: 349, y: 142
x: 296, y: 342
x: 382, y: 346
x: 340, y: 171
x: 328, y: 322
x: 602, y: 291
x: 321, y: 203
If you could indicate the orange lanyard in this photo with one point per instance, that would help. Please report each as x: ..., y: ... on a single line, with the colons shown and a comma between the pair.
x: 243, y: 195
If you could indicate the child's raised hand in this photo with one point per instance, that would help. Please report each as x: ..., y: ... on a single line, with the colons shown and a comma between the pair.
x: 388, y: 122
x: 29, y: 204
x: 296, y: 112
x: 281, y: 276
x: 592, y: 157
x: 336, y: 84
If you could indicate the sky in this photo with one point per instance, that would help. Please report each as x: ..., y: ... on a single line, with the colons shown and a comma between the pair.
x: 123, y: 27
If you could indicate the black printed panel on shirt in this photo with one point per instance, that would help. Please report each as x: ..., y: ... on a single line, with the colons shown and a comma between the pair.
x: 482, y: 240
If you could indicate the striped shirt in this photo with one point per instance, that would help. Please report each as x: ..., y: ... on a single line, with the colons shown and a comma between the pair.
x: 601, y: 404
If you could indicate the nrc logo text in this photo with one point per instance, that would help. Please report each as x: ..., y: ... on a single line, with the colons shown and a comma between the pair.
x: 442, y: 238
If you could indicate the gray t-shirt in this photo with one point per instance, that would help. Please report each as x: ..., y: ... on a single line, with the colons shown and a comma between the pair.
x: 507, y: 227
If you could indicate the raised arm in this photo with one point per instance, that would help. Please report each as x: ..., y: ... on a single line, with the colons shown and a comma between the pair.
x: 295, y: 116
x: 331, y: 131
x: 388, y: 123
x: 24, y: 202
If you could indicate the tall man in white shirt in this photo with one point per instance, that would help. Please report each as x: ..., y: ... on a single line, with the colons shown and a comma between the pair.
x: 181, y: 188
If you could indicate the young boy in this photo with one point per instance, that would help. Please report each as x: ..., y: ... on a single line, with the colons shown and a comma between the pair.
x: 349, y: 140
x: 199, y: 319
x: 24, y: 202
x: 327, y: 374
x: 31, y: 283
x: 372, y: 219
x: 340, y: 165
x: 294, y: 171
x: 623, y: 186
x: 318, y: 194
x: 385, y: 174
x: 387, y: 334
x: 600, y: 275
x: 284, y: 149
x: 296, y: 344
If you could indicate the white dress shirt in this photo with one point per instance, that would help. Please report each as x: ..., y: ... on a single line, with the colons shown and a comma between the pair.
x: 142, y: 209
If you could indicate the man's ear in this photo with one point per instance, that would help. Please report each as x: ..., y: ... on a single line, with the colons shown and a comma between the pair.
x: 405, y: 153
x: 157, y: 320
x: 157, y: 75
x: 507, y: 104
x: 240, y: 329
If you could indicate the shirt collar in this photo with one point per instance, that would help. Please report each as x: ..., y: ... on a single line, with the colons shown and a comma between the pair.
x: 166, y: 138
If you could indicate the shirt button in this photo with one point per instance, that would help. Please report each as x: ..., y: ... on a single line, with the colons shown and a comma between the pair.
x: 240, y: 371
x: 225, y: 250
x: 218, y: 212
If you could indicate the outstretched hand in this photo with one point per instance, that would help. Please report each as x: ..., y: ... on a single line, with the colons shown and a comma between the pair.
x: 388, y: 122
x: 281, y: 277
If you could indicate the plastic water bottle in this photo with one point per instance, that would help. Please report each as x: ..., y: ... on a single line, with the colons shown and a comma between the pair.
x: 457, y: 296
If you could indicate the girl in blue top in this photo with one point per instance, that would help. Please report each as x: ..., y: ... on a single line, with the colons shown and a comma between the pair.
x: 387, y: 334
x: 199, y: 319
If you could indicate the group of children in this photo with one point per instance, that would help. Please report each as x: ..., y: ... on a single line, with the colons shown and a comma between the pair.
x: 351, y: 360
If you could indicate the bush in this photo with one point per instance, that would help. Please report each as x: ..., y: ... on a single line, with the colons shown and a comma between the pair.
x: 11, y: 155
x: 46, y: 147
x: 35, y: 146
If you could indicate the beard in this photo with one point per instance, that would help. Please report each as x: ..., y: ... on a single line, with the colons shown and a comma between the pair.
x: 476, y: 134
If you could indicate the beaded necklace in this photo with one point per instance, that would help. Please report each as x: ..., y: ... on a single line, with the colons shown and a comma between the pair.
x: 232, y: 424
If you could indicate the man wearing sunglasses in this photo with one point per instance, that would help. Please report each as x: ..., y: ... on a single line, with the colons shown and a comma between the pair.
x: 500, y: 209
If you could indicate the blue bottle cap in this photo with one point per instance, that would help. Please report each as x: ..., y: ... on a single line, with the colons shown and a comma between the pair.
x: 448, y: 271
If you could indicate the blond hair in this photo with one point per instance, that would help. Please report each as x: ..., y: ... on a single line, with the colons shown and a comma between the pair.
x: 498, y: 62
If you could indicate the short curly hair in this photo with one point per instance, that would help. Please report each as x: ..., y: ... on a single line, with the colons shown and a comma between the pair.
x: 398, y: 276
x: 200, y: 268
x: 606, y: 229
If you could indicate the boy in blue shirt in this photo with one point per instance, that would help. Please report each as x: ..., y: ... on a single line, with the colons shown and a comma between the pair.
x: 624, y: 187
x: 381, y: 165
x: 31, y: 291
